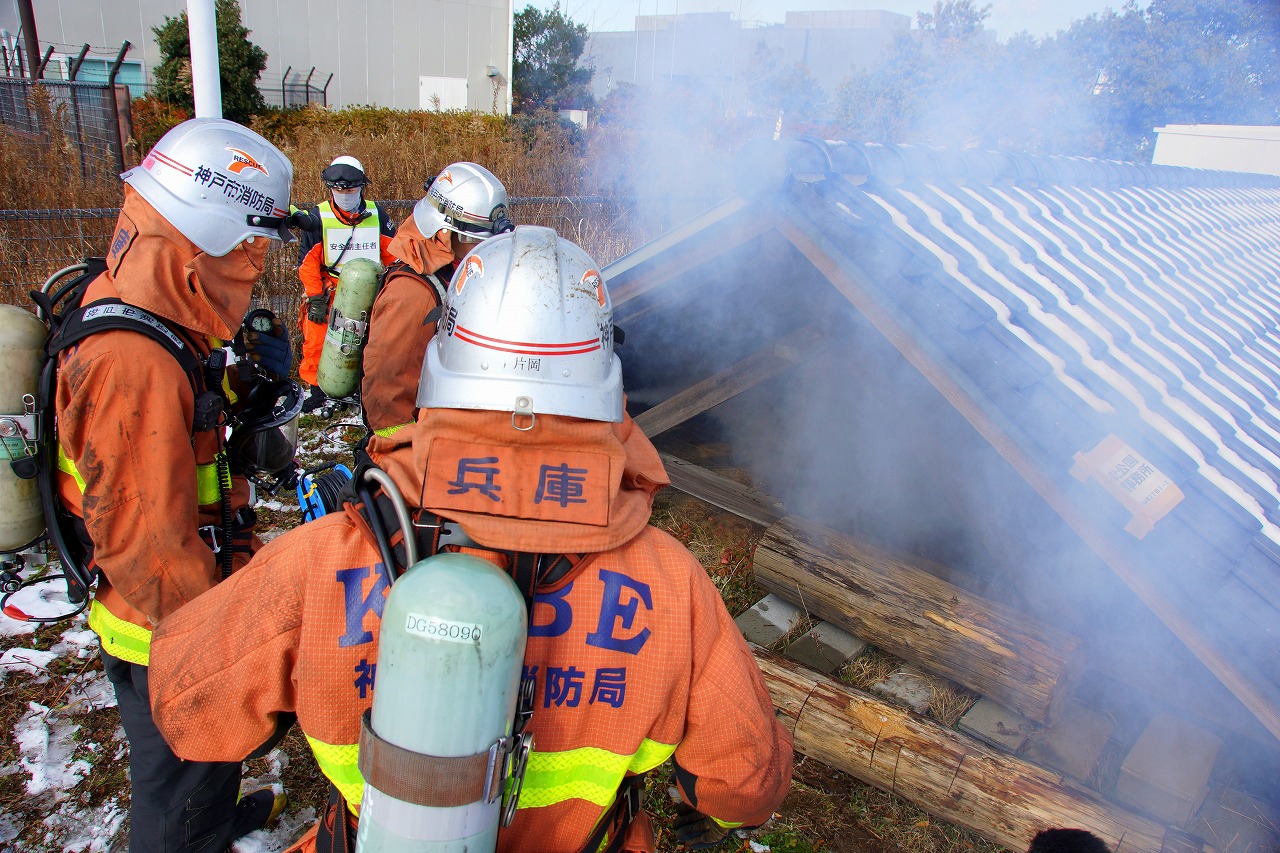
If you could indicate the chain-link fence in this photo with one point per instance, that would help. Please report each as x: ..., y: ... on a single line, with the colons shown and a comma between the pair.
x: 297, y: 88
x: 89, y: 114
x: 36, y: 243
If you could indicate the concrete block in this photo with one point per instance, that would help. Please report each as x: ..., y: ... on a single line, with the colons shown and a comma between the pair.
x: 1073, y: 744
x: 826, y: 648
x: 1166, y: 774
x: 908, y: 687
x: 768, y: 620
x: 997, y: 725
x: 1232, y: 821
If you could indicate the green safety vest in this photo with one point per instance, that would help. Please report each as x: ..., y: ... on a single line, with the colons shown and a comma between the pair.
x: 362, y: 241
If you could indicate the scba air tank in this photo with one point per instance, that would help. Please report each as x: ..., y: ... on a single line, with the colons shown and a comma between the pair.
x: 339, y: 372
x: 22, y: 338
x: 450, y: 657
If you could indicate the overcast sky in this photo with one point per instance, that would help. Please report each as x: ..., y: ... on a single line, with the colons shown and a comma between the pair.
x: 1008, y: 17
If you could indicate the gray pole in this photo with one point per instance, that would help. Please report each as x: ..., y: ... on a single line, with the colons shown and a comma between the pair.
x: 77, y: 62
x: 111, y: 103
x: 28, y: 18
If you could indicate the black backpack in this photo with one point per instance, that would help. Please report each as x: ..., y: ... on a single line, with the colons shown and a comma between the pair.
x: 59, y: 306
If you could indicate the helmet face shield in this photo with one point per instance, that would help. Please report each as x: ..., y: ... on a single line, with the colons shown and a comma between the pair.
x: 218, y: 183
x: 265, y: 438
x: 527, y: 329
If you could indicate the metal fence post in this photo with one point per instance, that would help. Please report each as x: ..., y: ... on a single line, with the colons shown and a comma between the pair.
x: 113, y: 110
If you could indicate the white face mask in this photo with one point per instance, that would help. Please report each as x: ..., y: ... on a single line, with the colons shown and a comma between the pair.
x: 348, y: 200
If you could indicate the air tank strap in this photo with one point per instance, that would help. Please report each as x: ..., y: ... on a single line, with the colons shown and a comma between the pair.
x: 433, y: 780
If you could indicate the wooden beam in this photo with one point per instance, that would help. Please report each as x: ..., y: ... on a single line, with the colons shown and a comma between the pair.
x: 991, y: 649
x: 950, y: 775
x: 852, y: 284
x: 762, y: 364
x: 633, y: 274
x: 719, y: 491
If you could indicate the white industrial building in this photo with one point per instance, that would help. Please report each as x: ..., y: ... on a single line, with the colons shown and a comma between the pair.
x: 1231, y: 148
x: 715, y: 49
x: 406, y: 54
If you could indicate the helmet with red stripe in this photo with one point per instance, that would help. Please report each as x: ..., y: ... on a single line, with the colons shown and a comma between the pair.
x: 528, y: 329
x: 218, y: 183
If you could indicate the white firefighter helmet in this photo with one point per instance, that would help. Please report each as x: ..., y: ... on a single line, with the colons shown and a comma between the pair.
x: 218, y: 183
x: 465, y: 198
x: 527, y: 328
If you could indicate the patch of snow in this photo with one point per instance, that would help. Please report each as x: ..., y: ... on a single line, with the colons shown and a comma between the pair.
x: 46, y: 744
x: 90, y: 692
x: 31, y: 661
x: 88, y: 830
x: 79, y: 641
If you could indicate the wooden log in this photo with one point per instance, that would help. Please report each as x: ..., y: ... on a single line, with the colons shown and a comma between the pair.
x: 1029, y: 667
x: 946, y: 773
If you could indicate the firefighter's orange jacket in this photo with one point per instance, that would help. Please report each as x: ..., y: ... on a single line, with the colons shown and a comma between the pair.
x: 129, y: 465
x: 399, y: 331
x: 316, y: 281
x: 635, y: 657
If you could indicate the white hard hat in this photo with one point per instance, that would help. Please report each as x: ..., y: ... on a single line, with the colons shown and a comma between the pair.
x: 218, y: 183
x: 465, y: 198
x: 345, y: 172
x: 347, y: 160
x: 527, y: 328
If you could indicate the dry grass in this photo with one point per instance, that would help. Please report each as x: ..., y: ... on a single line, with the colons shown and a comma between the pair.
x: 535, y: 157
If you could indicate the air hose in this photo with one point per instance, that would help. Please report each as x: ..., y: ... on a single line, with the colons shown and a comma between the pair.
x: 321, y: 493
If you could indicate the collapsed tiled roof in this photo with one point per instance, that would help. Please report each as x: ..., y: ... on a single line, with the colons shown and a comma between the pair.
x: 1109, y: 328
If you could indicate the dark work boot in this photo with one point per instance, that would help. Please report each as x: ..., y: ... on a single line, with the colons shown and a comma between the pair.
x: 315, y: 400
x: 257, y: 809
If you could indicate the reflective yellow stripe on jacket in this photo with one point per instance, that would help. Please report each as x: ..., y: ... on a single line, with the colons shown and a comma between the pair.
x: 207, y: 491
x: 119, y: 638
x: 387, y: 432
x: 338, y: 763
x: 589, y: 773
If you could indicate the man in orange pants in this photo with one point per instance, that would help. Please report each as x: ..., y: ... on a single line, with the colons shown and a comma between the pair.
x: 343, y: 227
x: 465, y: 204
x: 522, y: 455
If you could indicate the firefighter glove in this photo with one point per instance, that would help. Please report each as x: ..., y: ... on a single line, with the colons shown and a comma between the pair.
x: 318, y: 308
x: 695, y: 830
x: 270, y: 351
x: 304, y: 221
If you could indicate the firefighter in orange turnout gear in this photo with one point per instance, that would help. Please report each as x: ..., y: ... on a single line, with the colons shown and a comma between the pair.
x: 147, y: 484
x: 342, y: 227
x: 634, y: 658
x: 464, y: 205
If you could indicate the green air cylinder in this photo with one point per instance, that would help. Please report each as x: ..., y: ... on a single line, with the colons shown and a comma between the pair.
x: 450, y: 657
x: 22, y: 338
x: 339, y: 371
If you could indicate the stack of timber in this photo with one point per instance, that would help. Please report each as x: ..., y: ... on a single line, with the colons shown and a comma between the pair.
x: 950, y: 775
x: 990, y: 649
x: 993, y: 650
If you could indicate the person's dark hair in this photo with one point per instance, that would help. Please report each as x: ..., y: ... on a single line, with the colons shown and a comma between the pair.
x: 1067, y: 841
